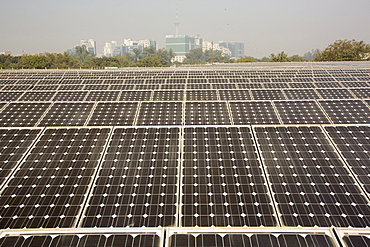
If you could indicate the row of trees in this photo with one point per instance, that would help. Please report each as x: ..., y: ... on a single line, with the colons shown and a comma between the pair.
x: 340, y: 50
x: 148, y: 57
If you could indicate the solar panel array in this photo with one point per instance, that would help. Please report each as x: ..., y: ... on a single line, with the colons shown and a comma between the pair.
x: 221, y: 156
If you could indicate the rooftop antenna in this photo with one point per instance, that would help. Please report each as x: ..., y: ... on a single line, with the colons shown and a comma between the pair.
x: 177, y: 22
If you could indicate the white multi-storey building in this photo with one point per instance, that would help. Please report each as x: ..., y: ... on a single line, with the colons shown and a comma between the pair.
x: 90, y: 45
x: 207, y: 45
x: 109, y: 48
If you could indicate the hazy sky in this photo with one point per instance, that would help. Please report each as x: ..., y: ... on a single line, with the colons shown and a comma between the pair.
x: 265, y: 26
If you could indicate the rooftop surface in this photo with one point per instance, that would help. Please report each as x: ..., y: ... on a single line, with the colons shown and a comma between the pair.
x: 262, y: 154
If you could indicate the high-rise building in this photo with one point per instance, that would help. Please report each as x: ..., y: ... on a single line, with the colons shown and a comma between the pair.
x: 216, y: 47
x: 109, y: 48
x: 90, y: 45
x: 129, y: 45
x: 182, y: 44
x: 236, y: 48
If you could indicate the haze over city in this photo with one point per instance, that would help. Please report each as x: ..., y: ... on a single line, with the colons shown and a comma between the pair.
x: 265, y: 26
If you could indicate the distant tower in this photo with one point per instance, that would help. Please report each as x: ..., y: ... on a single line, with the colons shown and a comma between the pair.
x: 177, y: 22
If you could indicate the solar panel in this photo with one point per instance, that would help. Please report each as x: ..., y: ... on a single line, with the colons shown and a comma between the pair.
x: 206, y: 113
x: 223, y: 181
x: 267, y: 94
x: 301, y: 94
x: 310, y: 183
x: 17, y: 87
x: 135, y: 95
x: 251, y: 240
x: 14, y: 144
x: 136, y: 184
x: 198, y: 86
x: 103, y: 96
x: 300, y: 112
x: 67, y: 114
x: 37, y: 96
x: 10, y: 96
x: 70, y: 96
x: 357, y: 241
x: 96, y: 240
x: 173, y: 95
x: 353, y: 144
x: 253, y: 112
x: 160, y: 113
x: 96, y: 87
x: 234, y: 94
x: 45, y: 87
x: 194, y: 95
x: 361, y: 92
x: 50, y: 188
x: 346, y: 111
x: 113, y: 114
x: 334, y: 93
x: 249, y: 85
x: 22, y: 114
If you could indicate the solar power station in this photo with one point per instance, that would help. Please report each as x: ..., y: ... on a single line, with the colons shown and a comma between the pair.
x: 253, y: 155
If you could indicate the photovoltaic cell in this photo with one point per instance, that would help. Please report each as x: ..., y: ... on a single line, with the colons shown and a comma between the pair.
x: 353, y: 143
x: 14, y: 144
x: 346, y: 111
x: 113, y: 114
x: 37, y: 96
x: 135, y: 95
x: 10, y: 96
x: 334, y: 93
x: 175, y: 95
x: 160, y: 113
x: 70, y: 95
x: 137, y: 182
x: 103, y: 96
x: 300, y: 112
x: 49, y: 189
x: 206, y: 113
x: 223, y: 183
x: 201, y: 95
x: 252, y: 112
x: 301, y: 94
x: 22, y: 114
x: 234, y: 94
x: 67, y: 114
x: 310, y: 183
x: 357, y: 241
x: 96, y: 240
x: 250, y: 240
x: 267, y: 94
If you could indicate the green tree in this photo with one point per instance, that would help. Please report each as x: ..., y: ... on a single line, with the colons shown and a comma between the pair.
x: 165, y: 56
x: 297, y: 58
x: 149, y: 62
x: 246, y: 59
x: 82, y: 53
x: 345, y: 50
x: 195, y: 56
x: 149, y: 51
x: 33, y: 61
x: 281, y: 57
x: 62, y: 60
x: 137, y: 53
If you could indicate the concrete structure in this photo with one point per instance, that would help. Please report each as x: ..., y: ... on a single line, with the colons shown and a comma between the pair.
x: 182, y: 44
x: 109, y: 48
x: 236, y: 48
x: 90, y: 45
x: 207, y: 45
x: 129, y: 45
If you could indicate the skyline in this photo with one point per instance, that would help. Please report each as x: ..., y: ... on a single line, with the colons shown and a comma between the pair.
x: 265, y: 27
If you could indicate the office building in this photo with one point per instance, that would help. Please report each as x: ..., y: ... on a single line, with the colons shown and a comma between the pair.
x: 236, y: 48
x: 182, y: 44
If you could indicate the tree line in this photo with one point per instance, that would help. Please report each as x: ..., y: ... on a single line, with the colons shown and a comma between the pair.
x: 340, y: 50
x: 148, y: 57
